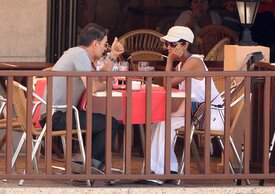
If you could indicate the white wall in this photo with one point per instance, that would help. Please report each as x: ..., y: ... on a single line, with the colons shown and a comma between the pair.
x: 23, y: 30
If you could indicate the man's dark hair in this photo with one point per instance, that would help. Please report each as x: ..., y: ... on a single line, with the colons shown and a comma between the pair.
x: 90, y: 33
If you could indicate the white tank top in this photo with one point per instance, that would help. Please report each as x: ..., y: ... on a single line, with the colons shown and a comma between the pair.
x: 198, y: 87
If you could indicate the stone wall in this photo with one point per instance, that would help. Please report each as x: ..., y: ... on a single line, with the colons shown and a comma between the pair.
x: 23, y: 30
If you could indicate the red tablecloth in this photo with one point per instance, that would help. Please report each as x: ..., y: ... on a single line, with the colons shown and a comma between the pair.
x: 139, y: 105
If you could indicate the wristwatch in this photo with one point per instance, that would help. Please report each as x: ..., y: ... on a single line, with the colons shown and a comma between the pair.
x: 111, y: 58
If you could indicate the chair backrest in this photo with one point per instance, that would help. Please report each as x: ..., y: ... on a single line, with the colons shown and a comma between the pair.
x: 142, y: 39
x: 144, y: 55
x: 20, y: 105
x: 236, y: 94
x: 165, y: 24
x: 217, y: 52
x: 3, y: 103
x: 210, y: 35
x: 236, y: 97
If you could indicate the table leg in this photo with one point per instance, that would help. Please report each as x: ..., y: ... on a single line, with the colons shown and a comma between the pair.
x: 142, y: 137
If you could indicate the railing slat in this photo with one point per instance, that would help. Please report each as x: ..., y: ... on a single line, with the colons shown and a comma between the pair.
x: 9, y: 143
x: 48, y: 151
x: 69, y: 127
x: 227, y: 124
x: 148, y: 127
x: 247, y: 129
x: 266, y: 124
x: 128, y: 127
x: 89, y: 123
x: 188, y: 137
x: 108, y: 141
x: 207, y: 125
x: 167, y: 141
x: 29, y: 129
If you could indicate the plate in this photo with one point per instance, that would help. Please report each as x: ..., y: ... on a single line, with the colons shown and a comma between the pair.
x: 135, y: 90
x: 119, y: 87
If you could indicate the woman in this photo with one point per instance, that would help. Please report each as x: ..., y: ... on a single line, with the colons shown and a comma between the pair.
x: 198, y: 17
x: 178, y: 41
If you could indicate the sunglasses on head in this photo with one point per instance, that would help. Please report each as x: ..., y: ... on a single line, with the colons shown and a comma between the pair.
x: 172, y: 44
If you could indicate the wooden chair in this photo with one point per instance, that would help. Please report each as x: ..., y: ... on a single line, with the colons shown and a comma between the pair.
x: 3, y: 122
x: 210, y: 35
x: 236, y: 98
x: 217, y: 52
x: 20, y: 106
x: 142, y: 39
x: 146, y: 55
x: 198, y: 117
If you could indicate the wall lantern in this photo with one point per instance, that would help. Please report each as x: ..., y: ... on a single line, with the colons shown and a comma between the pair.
x: 247, y: 10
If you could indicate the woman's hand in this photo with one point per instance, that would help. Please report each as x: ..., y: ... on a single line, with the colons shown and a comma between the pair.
x: 117, y: 48
x: 176, y: 53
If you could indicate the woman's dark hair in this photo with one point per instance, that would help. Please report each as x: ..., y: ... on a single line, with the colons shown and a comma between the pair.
x: 184, y: 42
x: 90, y: 33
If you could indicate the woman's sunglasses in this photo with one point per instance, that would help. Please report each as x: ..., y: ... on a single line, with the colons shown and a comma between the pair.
x: 172, y: 44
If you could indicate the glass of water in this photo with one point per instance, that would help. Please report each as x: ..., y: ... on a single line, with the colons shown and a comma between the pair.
x: 142, y: 65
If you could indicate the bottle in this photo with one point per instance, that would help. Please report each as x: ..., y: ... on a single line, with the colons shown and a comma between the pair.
x: 115, y: 68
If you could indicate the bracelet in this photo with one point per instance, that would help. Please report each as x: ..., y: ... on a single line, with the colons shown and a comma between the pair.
x: 111, y: 58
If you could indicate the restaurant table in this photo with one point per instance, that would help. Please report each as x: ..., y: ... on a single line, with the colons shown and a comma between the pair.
x: 139, y: 107
x: 211, y: 65
x: 138, y: 104
x: 24, y: 65
x: 21, y: 66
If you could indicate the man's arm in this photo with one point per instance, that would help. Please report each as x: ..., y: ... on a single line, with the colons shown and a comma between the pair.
x: 116, y: 50
x: 97, y: 85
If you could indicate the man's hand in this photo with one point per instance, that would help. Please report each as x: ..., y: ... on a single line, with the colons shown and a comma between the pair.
x: 117, y: 48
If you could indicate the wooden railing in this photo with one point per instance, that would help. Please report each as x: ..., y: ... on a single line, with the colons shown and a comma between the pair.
x: 128, y: 174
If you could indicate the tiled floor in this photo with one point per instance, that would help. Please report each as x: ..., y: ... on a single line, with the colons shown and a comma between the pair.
x: 117, y: 158
x: 136, y: 165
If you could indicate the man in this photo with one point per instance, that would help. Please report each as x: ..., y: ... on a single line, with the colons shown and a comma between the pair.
x: 92, y: 45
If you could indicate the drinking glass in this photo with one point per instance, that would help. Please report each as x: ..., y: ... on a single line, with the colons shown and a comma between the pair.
x: 123, y: 66
x: 100, y: 63
x: 149, y: 68
x: 142, y: 65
